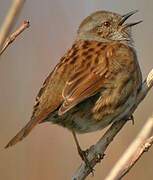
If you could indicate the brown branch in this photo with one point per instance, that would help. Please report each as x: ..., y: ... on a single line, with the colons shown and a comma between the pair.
x: 100, y: 147
x: 14, y: 35
x: 9, y: 20
x: 140, y: 145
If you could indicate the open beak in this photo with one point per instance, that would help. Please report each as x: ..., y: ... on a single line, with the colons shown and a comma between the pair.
x: 125, y: 17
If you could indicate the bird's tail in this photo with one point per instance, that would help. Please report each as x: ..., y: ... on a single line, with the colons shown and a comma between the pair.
x: 22, y: 133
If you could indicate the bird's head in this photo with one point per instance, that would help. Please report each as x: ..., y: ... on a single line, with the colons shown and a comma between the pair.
x: 106, y: 26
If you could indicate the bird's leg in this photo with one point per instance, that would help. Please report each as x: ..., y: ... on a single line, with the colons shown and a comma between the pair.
x: 83, y: 154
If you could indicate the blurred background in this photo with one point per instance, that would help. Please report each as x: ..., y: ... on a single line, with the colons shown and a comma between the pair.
x: 49, y: 151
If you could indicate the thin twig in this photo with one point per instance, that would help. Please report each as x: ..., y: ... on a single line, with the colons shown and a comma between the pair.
x: 14, y: 35
x: 140, y: 145
x: 9, y: 20
x: 100, y: 147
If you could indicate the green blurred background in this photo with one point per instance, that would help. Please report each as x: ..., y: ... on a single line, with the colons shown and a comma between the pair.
x: 49, y: 152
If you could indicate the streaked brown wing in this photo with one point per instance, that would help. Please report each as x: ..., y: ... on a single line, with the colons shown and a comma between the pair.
x: 85, y: 82
x: 50, y: 96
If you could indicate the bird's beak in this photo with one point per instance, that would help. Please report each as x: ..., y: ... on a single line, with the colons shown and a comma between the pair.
x: 125, y: 17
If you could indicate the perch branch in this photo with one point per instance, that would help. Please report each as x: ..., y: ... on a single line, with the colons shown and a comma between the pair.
x: 9, y: 20
x: 140, y: 145
x: 100, y: 147
x: 14, y: 35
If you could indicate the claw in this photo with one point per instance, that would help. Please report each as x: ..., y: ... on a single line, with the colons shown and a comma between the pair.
x: 99, y: 157
x: 132, y: 119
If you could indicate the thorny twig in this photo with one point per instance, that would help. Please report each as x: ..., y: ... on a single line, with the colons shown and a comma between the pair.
x: 14, y: 35
x: 9, y: 20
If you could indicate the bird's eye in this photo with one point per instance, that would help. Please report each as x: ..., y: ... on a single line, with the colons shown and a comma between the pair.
x: 106, y: 24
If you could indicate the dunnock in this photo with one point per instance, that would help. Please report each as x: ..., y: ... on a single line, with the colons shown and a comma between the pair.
x: 94, y: 82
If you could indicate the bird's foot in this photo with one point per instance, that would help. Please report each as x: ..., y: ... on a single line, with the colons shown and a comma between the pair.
x: 84, y: 157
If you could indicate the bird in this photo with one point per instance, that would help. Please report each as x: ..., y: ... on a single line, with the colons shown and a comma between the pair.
x: 95, y: 81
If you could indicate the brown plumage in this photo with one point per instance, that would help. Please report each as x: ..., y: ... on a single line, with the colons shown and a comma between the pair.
x: 94, y: 81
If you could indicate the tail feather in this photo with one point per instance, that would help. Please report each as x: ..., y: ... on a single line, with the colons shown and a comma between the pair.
x: 22, y: 133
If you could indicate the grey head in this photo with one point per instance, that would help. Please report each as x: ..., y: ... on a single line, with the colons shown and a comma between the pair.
x: 106, y: 26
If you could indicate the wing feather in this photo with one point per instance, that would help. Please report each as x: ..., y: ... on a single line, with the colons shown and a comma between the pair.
x: 84, y: 83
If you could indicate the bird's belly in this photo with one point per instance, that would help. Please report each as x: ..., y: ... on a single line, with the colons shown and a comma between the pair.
x: 81, y: 120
